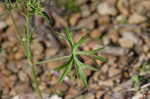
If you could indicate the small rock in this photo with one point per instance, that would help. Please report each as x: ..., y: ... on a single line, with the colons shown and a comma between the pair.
x: 79, y: 2
x: 123, y: 7
x: 80, y: 97
x: 74, y: 19
x: 32, y: 96
x: 37, y: 48
x: 114, y: 35
x: 73, y: 91
x: 107, y: 97
x: 115, y: 51
x: 146, y: 48
x: 106, y: 9
x: 21, y: 88
x: 104, y: 68
x: 138, y: 96
x: 104, y: 20
x: 126, y: 43
x: 23, y: 77
x: 128, y: 40
x: 88, y: 22
x: 89, y: 96
x: 85, y: 11
x: 19, y: 54
x: 55, y: 97
x: 113, y: 72
x: 12, y: 67
x: 16, y: 97
x: 106, y: 40
x: 2, y: 25
x: 99, y: 94
x: 2, y: 61
x: 136, y: 19
x: 95, y: 33
x: 86, y: 96
x: 108, y: 83
x: 121, y: 19
x: 50, y: 52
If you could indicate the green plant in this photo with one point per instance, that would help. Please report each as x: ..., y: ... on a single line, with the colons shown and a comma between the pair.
x: 141, y: 78
x: 73, y: 58
x: 145, y: 67
x: 137, y: 81
x: 2, y: 50
x: 69, y: 5
x: 31, y: 8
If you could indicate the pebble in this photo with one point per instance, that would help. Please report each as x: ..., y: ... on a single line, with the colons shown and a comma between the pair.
x: 128, y: 40
x: 138, y: 96
x: 37, y: 48
x: 33, y: 96
x: 115, y: 51
x: 136, y: 19
x: 55, y: 97
x: 50, y: 52
x: 88, y: 22
x: 23, y: 77
x: 121, y: 19
x: 74, y: 19
x: 95, y: 33
x: 122, y: 6
x: 106, y: 40
x: 79, y: 2
x: 108, y: 83
x: 85, y: 11
x: 99, y: 94
x: 107, y: 97
x: 106, y: 9
x: 19, y: 54
x: 104, y: 68
x: 86, y: 96
x: 80, y: 97
x: 2, y: 25
x: 104, y: 20
x: 113, y: 72
x: 12, y: 67
x: 89, y: 96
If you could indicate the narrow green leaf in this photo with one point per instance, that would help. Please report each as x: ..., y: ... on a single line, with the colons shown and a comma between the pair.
x: 100, y: 58
x: 53, y: 59
x: 69, y: 36
x: 2, y: 50
x: 80, y: 71
x: 82, y: 75
x: 89, y: 67
x: 67, y: 70
x: 81, y: 41
x: 90, y: 52
x: 62, y: 66
x: 84, y: 66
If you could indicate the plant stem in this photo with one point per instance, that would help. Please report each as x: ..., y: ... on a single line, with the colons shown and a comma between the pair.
x: 15, y: 26
x: 35, y: 80
x: 53, y: 59
x: 30, y: 58
x: 27, y: 47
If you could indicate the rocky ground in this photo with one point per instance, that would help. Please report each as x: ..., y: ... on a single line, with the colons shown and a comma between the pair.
x: 122, y: 26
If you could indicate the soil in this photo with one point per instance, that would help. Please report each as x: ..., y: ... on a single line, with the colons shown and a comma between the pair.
x: 121, y: 26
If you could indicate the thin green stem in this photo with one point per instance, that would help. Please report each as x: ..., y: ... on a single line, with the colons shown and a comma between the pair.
x: 35, y: 80
x: 53, y: 59
x: 15, y: 26
x: 29, y: 55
